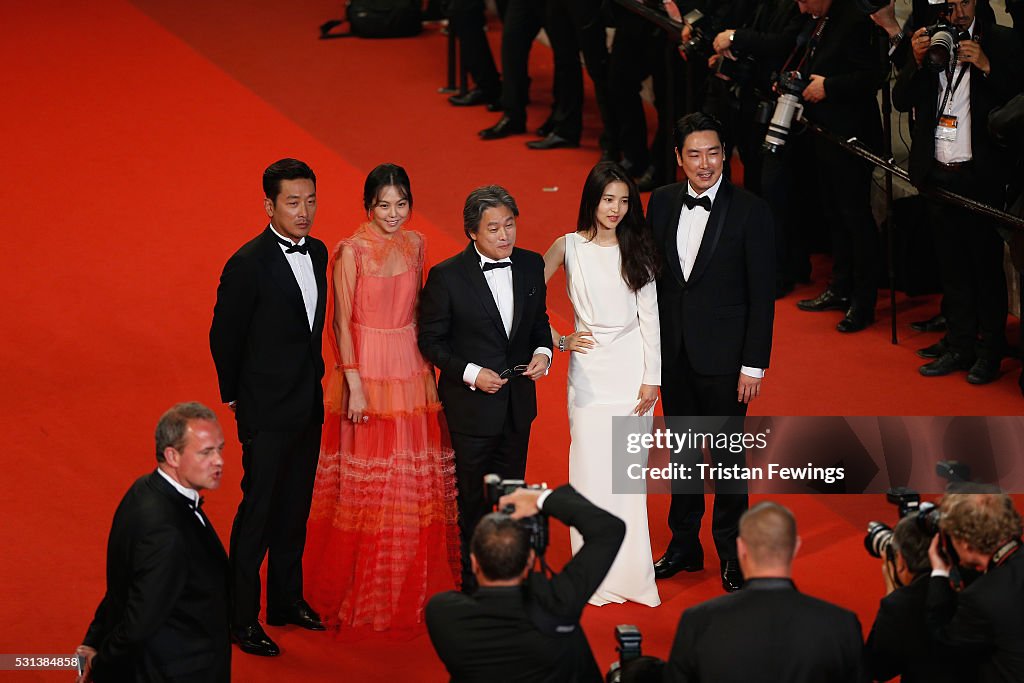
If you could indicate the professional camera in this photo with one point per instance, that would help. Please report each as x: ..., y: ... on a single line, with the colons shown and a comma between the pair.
x: 628, y: 638
x: 699, y: 44
x: 945, y: 38
x: 496, y: 487
x: 790, y: 85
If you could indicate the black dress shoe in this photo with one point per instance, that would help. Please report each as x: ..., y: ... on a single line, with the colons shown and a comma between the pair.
x: 826, y: 301
x: 552, y: 141
x: 732, y: 577
x: 502, y: 129
x: 947, y: 363
x: 934, y: 351
x: 936, y: 323
x: 671, y: 563
x: 300, y: 614
x: 983, y: 371
x: 546, y: 128
x: 253, y: 640
x: 474, y: 97
x: 857, y: 318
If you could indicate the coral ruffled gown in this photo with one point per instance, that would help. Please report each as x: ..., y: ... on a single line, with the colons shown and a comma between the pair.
x: 382, y: 534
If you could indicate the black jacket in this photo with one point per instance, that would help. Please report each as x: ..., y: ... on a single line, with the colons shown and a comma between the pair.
x: 165, y: 613
x: 917, y: 89
x: 459, y: 323
x: 984, y: 623
x: 723, y: 314
x: 766, y: 633
x: 266, y: 356
x: 531, y: 632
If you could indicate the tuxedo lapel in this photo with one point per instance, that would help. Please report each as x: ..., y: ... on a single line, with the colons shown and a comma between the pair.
x: 281, y: 272
x: 713, y: 231
x: 188, y: 515
x: 478, y: 285
x: 319, y: 259
x: 671, y: 248
x: 518, y: 296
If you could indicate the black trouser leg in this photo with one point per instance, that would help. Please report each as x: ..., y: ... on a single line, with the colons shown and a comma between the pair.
x: 521, y: 22
x: 466, y: 18
x: 628, y: 65
x: 568, y: 114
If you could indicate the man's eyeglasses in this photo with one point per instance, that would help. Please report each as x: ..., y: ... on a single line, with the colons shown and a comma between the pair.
x: 513, y: 372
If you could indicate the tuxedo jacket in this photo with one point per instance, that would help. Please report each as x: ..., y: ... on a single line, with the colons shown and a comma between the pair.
x: 984, y: 623
x: 722, y: 315
x: 766, y: 633
x: 917, y: 89
x: 267, y: 358
x: 851, y: 58
x: 459, y: 324
x: 165, y: 613
x: 531, y: 632
x: 899, y: 645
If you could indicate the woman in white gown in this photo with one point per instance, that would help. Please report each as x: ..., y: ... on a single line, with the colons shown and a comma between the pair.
x: 615, y: 362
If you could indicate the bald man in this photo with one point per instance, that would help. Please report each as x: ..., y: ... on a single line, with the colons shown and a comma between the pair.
x: 769, y: 631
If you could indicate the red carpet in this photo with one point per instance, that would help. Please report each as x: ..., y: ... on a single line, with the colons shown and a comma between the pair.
x: 135, y: 138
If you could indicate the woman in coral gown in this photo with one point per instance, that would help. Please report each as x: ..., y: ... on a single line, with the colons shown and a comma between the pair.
x: 615, y: 362
x: 382, y: 533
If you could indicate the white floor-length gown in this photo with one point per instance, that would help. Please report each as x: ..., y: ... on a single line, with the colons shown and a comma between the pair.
x: 603, y: 383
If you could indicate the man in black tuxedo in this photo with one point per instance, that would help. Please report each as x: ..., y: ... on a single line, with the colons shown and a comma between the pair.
x: 841, y: 56
x: 769, y: 631
x: 165, y: 613
x: 266, y: 341
x: 521, y: 625
x: 483, y: 322
x: 952, y: 149
x: 716, y: 301
x: 984, y: 622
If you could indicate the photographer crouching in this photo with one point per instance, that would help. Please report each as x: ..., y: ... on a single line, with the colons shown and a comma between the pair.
x: 984, y: 622
x: 899, y: 643
x: 963, y: 67
x: 520, y: 624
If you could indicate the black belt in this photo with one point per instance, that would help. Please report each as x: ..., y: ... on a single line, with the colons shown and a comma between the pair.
x: 954, y: 166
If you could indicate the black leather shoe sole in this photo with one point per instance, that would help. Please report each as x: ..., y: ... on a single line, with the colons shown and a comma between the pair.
x: 263, y: 647
x: 983, y: 372
x: 823, y: 303
x: 666, y: 569
x: 933, y: 324
x: 854, y: 323
x: 932, y: 352
x: 946, y: 364
x: 552, y: 142
x: 499, y: 131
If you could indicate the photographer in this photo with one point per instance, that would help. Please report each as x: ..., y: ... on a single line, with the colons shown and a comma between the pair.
x: 521, y: 625
x: 843, y: 64
x: 952, y: 149
x: 984, y: 622
x: 899, y: 643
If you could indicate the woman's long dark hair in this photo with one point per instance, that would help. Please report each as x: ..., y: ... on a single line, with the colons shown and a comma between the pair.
x: 640, y: 261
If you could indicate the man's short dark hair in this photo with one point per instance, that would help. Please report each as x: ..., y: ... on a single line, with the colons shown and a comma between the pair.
x: 501, y: 546
x: 284, y: 169
x: 481, y: 199
x: 911, y: 541
x: 173, y: 425
x: 694, y: 123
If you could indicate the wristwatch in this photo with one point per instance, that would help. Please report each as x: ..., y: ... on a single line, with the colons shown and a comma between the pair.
x: 895, y: 40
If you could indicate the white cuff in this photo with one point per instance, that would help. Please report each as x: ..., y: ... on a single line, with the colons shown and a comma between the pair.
x: 542, y: 498
x: 470, y: 373
x: 547, y: 352
x: 756, y: 373
x: 944, y: 573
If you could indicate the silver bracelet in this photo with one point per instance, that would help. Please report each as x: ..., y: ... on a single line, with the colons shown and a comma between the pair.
x: 561, y: 343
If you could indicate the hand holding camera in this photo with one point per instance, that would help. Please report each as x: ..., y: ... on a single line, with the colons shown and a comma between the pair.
x: 970, y: 52
x: 523, y: 503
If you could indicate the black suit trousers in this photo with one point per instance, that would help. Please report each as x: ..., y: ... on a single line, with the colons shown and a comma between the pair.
x: 467, y: 20
x: 521, y: 22
x: 970, y: 255
x: 685, y: 392
x: 277, y: 490
x: 475, y: 456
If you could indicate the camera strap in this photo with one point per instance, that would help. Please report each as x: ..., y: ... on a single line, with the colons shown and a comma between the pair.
x: 811, y: 46
x: 951, y: 86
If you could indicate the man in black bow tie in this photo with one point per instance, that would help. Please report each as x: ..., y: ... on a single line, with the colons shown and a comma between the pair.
x: 483, y: 317
x: 716, y: 304
x: 165, y: 613
x: 266, y: 342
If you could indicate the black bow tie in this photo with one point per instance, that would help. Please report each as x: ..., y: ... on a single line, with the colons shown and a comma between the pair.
x: 499, y: 264
x: 703, y: 202
x: 196, y: 504
x: 293, y: 248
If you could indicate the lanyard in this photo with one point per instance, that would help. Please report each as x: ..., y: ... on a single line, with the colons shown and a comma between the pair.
x: 950, y: 85
x: 812, y: 47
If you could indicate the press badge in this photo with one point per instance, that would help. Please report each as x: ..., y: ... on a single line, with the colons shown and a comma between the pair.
x: 946, y: 129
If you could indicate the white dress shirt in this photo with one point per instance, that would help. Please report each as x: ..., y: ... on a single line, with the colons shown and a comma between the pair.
x: 959, y: 105
x: 499, y: 281
x: 690, y: 232
x: 302, y: 269
x: 191, y: 494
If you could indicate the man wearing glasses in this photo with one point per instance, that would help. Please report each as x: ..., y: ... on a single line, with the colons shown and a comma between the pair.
x: 483, y: 322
